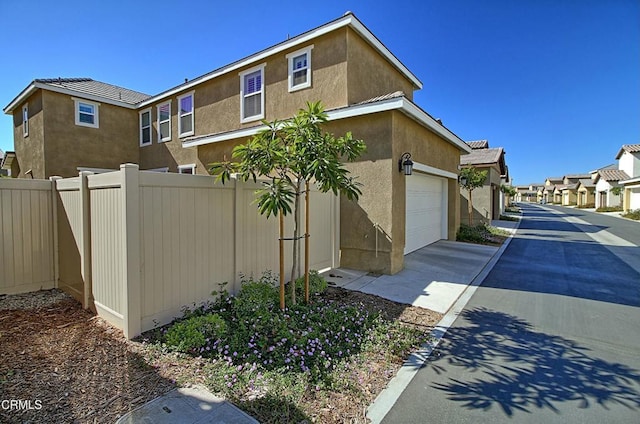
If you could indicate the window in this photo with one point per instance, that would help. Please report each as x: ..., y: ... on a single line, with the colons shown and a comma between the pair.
x: 164, y: 122
x: 252, y: 94
x: 145, y: 127
x: 86, y: 113
x: 300, y: 69
x: 187, y: 169
x: 25, y: 120
x: 185, y: 115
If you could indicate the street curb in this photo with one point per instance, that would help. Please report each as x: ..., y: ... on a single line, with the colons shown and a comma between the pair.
x: 388, y: 397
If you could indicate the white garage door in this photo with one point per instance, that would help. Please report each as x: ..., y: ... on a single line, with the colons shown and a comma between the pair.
x: 426, y: 219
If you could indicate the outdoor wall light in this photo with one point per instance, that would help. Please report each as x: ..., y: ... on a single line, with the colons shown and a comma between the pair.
x: 405, y: 164
x: 463, y: 180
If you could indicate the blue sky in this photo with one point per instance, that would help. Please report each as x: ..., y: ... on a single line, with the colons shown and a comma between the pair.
x: 554, y: 82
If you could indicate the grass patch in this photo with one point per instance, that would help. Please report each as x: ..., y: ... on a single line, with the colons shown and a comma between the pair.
x: 635, y: 215
x: 609, y: 209
x: 481, y: 234
x: 512, y: 209
x: 508, y: 218
x: 286, y: 366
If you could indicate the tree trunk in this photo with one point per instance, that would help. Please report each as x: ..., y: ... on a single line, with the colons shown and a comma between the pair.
x: 294, y: 267
x: 470, y: 210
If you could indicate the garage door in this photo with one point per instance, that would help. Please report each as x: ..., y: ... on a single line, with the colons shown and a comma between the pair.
x: 426, y: 219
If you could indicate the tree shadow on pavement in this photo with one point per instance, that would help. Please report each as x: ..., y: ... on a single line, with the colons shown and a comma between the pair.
x: 519, y: 369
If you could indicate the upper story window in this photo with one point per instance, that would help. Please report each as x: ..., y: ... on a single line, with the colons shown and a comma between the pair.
x: 25, y: 120
x: 187, y: 169
x: 185, y: 115
x: 145, y: 127
x: 300, y: 69
x: 86, y: 113
x: 164, y: 122
x: 252, y: 94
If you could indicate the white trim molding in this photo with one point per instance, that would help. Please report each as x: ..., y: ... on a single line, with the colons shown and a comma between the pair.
x: 167, y: 121
x: 400, y: 104
x: 260, y: 92
x: 291, y: 72
x: 182, y: 133
x: 147, y: 127
x: 189, y: 167
x: 95, y: 113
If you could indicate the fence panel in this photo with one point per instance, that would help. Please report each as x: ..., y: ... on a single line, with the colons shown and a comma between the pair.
x: 186, y: 241
x: 27, y: 248
x: 107, y: 245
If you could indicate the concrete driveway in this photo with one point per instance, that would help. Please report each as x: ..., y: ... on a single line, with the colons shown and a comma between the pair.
x: 433, y: 277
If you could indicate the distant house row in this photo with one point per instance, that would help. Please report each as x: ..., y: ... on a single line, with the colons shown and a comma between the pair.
x: 613, y: 186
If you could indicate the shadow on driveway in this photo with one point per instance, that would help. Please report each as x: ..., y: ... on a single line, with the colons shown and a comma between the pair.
x: 519, y: 369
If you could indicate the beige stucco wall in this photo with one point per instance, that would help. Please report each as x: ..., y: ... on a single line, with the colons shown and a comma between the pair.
x: 68, y: 146
x: 29, y: 150
x: 369, y: 74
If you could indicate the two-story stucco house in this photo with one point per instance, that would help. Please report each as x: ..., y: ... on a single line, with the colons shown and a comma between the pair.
x: 629, y: 162
x: 62, y: 126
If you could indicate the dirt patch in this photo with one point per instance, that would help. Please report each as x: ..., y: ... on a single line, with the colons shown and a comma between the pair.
x: 67, y: 366
x: 75, y: 368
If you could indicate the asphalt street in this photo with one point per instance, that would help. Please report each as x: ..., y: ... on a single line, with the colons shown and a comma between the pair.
x: 552, y: 335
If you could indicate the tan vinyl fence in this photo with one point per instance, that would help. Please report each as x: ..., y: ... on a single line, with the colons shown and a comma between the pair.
x: 27, y: 236
x: 141, y: 245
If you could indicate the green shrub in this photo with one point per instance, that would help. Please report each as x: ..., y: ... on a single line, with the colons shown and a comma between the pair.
x: 632, y: 214
x: 508, y: 218
x: 470, y: 234
x: 587, y: 206
x: 609, y: 209
x: 195, y: 332
x: 257, y: 297
x: 317, y: 285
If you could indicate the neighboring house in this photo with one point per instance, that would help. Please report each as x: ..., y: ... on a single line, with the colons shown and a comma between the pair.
x: 606, y: 180
x: 549, y: 188
x: 65, y: 125
x: 629, y: 161
x: 488, y: 200
x: 586, y: 193
x: 568, y: 190
x: 526, y: 193
x: 8, y: 164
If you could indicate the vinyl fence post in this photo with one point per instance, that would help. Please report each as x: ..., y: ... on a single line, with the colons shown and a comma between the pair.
x: 130, y: 190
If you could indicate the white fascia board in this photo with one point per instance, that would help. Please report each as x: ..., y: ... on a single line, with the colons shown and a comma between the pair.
x: 348, y: 20
x: 434, y: 171
x: 38, y: 85
x: 400, y: 104
x: 630, y: 181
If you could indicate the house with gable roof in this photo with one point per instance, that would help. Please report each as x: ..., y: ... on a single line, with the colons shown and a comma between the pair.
x: 66, y: 125
x: 629, y: 161
x: 488, y: 201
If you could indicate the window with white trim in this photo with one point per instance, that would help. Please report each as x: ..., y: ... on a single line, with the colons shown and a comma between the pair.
x: 187, y: 169
x: 300, y: 69
x: 164, y: 122
x: 87, y: 113
x: 25, y: 120
x: 252, y: 94
x: 145, y: 127
x: 185, y: 115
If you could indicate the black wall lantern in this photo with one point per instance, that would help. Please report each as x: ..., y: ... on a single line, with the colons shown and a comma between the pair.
x: 463, y: 180
x: 405, y: 164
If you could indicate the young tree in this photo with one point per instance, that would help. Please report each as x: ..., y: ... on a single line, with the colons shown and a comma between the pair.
x: 470, y: 179
x: 290, y: 154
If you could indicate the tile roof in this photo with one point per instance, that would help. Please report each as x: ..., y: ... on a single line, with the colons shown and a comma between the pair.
x: 577, y: 176
x: 478, y: 144
x: 629, y: 148
x: 613, y: 175
x: 388, y: 96
x: 96, y: 88
x: 482, y: 156
x: 587, y: 182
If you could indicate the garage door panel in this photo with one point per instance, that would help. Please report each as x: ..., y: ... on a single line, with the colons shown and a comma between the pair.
x: 424, y: 211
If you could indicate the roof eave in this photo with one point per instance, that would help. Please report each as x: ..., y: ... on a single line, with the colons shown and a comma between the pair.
x: 401, y: 104
x: 31, y: 88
